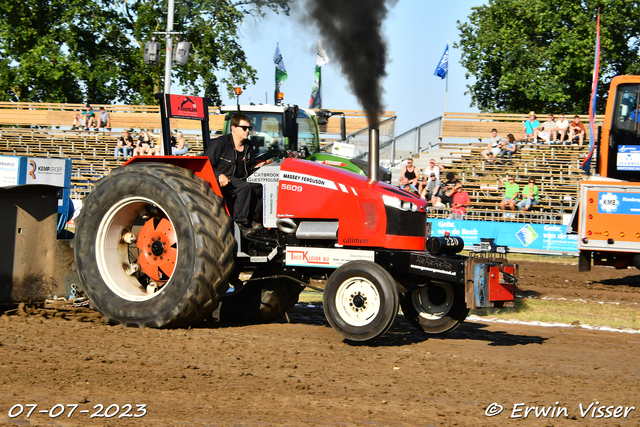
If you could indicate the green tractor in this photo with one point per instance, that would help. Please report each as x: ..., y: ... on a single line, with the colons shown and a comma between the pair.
x: 275, y: 132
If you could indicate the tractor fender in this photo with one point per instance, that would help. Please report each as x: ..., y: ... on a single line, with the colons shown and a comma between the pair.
x: 200, y: 165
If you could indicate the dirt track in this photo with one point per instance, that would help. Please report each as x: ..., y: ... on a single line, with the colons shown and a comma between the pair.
x: 302, y: 373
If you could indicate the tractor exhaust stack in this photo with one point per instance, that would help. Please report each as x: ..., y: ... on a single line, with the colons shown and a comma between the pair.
x: 374, y: 154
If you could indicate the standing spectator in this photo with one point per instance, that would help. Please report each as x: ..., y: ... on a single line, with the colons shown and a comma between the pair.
x: 461, y: 201
x: 547, y: 131
x: 431, y: 189
x: 103, y: 120
x: 434, y: 167
x: 448, y: 189
x: 124, y: 145
x: 494, y: 146
x: 511, y: 191
x: 410, y: 175
x: 576, y: 130
x: 529, y: 128
x: 562, y: 128
x: 510, y: 148
x: 529, y: 196
x: 180, y: 146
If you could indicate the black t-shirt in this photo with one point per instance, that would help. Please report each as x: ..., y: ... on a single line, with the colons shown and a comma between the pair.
x: 239, y: 173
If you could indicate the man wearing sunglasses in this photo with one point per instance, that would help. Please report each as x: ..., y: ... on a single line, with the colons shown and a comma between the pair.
x: 233, y: 160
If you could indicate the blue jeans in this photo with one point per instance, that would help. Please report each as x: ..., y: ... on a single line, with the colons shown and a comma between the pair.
x: 528, y: 203
x: 179, y: 151
x: 125, y: 151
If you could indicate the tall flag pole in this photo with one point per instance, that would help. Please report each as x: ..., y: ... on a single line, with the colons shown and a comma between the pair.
x: 316, y: 92
x: 586, y: 164
x: 281, y: 72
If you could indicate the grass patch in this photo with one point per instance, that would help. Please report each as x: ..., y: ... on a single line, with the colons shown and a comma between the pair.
x: 310, y: 296
x: 526, y: 309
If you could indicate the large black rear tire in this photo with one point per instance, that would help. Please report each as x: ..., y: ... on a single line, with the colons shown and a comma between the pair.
x: 261, y: 301
x: 435, y: 309
x: 153, y: 246
x: 360, y: 301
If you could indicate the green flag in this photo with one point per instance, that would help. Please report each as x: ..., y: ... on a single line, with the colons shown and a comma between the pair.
x: 281, y: 72
x: 316, y: 94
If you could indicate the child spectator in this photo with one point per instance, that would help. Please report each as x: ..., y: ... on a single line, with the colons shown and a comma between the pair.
x: 510, y: 148
x: 576, y: 130
x: 562, y: 128
x: 494, y: 146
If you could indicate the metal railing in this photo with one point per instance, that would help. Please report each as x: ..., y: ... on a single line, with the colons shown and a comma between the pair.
x: 421, y: 138
x: 528, y: 217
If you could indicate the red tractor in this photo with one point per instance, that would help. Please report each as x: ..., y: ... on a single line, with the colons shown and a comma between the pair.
x: 155, y: 246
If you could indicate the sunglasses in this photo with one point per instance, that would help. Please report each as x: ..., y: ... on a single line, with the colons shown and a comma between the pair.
x: 245, y: 128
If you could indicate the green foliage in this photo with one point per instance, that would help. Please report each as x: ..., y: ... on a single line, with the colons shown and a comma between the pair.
x: 539, y: 54
x: 76, y: 51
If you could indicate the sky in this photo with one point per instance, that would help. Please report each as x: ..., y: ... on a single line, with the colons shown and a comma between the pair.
x: 416, y: 33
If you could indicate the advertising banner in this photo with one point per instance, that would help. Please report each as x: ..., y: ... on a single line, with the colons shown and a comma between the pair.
x: 9, y: 171
x: 532, y: 237
x: 186, y: 107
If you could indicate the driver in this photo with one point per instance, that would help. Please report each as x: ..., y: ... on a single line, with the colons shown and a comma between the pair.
x: 232, y: 158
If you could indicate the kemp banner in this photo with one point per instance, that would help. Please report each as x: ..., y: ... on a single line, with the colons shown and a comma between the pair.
x: 186, y: 107
x: 532, y: 237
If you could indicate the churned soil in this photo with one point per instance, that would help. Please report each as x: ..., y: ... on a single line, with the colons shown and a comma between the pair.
x: 298, y: 371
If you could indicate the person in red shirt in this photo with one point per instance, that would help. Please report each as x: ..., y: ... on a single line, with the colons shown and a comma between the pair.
x: 461, y: 200
x: 576, y: 130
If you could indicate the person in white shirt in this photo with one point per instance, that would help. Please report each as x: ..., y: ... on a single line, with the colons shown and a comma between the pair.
x: 562, y: 128
x: 434, y: 168
x: 494, y: 146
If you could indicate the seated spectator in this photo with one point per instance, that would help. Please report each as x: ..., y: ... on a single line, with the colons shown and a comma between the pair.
x: 145, y: 139
x: 529, y: 128
x: 633, y: 117
x: 494, y: 146
x: 562, y: 128
x: 510, y: 148
x: 511, y: 191
x: 103, y: 120
x: 576, y: 130
x: 410, y: 175
x: 434, y: 167
x: 529, y: 196
x: 124, y: 145
x: 85, y: 119
x: 431, y: 189
x: 448, y: 189
x: 179, y: 146
x: 546, y: 131
x: 461, y: 201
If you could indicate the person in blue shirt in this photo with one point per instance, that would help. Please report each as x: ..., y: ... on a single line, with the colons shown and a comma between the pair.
x: 529, y: 128
x: 633, y: 117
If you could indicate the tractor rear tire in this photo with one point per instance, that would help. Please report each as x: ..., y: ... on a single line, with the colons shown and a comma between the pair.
x: 260, y: 301
x: 435, y: 309
x: 360, y: 301
x: 153, y: 247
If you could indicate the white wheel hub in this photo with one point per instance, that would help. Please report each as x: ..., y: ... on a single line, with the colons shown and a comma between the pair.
x: 114, y: 250
x: 357, y: 301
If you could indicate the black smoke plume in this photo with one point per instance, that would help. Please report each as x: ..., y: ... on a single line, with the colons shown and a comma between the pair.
x: 352, y: 32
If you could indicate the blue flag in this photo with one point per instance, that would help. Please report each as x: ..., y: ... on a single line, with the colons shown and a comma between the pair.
x: 586, y: 164
x: 443, y: 65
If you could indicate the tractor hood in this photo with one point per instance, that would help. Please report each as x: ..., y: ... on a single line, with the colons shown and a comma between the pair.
x: 370, y: 213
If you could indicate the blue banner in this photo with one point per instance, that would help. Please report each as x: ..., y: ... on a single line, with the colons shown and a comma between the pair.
x: 533, y: 237
x: 619, y: 203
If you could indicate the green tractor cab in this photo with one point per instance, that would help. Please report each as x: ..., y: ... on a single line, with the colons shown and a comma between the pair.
x: 275, y: 132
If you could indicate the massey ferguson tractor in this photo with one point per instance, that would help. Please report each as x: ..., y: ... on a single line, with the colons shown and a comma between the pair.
x: 155, y: 246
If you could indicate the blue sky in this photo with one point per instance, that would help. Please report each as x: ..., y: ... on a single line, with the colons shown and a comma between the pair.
x: 416, y: 32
